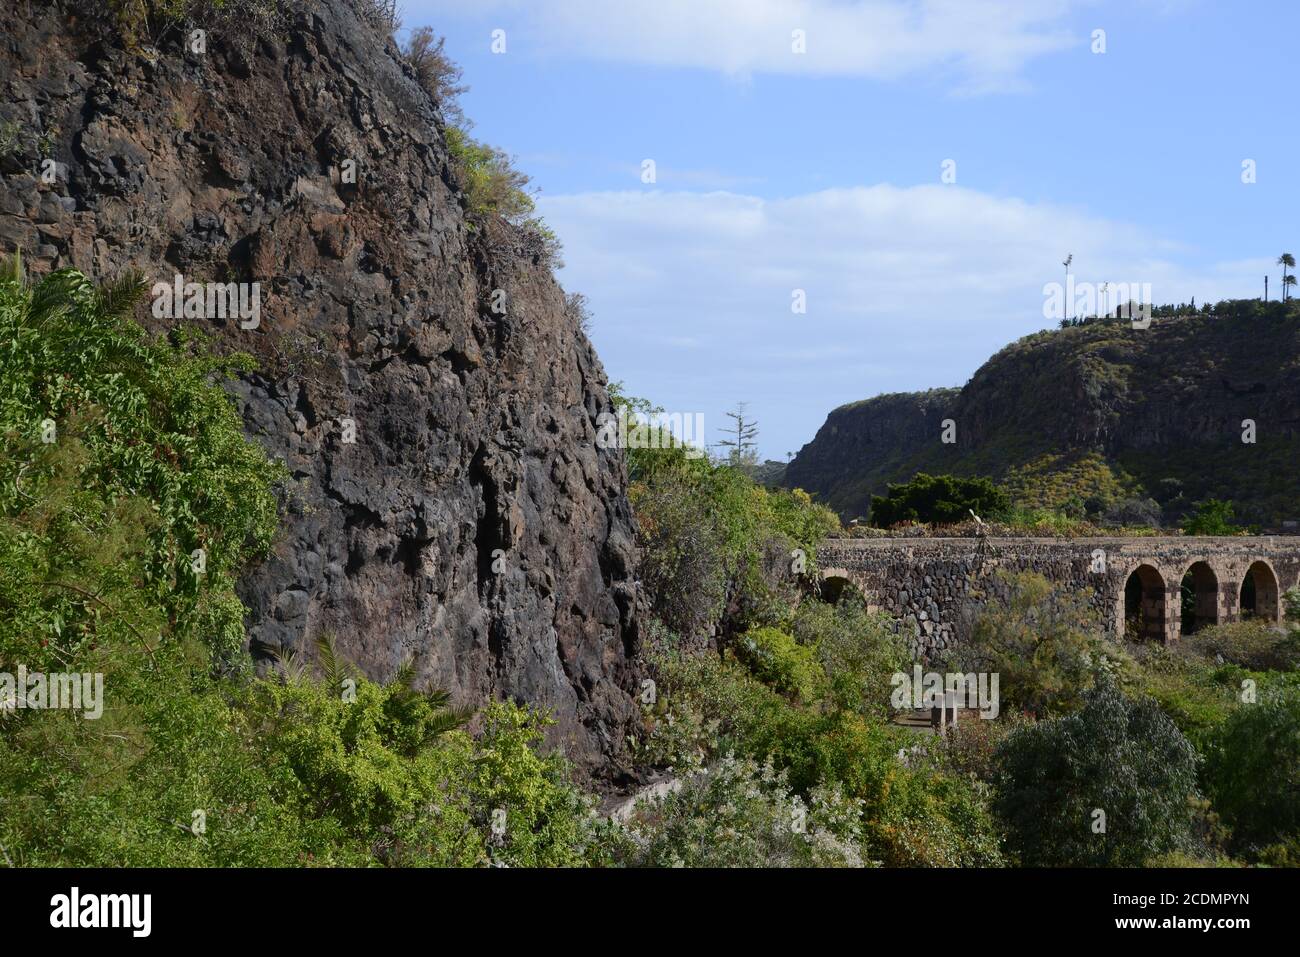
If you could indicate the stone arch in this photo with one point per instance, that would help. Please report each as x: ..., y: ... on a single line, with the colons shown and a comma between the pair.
x: 1200, y: 597
x: 1142, y: 611
x: 837, y: 584
x: 1259, y: 595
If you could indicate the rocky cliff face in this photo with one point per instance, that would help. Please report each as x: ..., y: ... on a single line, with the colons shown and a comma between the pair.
x: 864, y: 445
x: 472, y: 525
x: 1102, y: 409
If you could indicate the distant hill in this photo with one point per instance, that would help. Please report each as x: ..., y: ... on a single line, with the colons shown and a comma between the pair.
x: 1092, y: 416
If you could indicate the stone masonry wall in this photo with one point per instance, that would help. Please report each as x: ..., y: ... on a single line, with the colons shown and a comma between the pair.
x: 933, y: 585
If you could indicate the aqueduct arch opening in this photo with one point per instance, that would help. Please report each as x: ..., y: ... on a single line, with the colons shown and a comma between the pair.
x: 1259, y: 592
x: 1200, y: 598
x: 1144, y: 604
x: 837, y: 586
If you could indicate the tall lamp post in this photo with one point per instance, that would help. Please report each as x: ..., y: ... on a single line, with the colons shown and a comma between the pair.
x: 1068, y: 259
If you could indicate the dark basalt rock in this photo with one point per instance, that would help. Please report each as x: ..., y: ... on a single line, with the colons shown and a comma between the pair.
x: 473, y: 525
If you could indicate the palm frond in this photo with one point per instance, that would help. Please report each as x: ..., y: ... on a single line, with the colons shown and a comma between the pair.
x: 334, y: 669
x: 405, y: 676
x: 440, y: 717
x: 448, y: 719
x: 58, y: 294
x: 118, y: 299
x: 437, y: 698
x: 292, y: 668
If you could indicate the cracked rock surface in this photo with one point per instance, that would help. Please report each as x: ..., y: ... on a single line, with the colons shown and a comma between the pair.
x: 473, y: 525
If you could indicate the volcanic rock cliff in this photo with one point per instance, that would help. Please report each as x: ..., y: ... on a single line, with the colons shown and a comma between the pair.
x: 1101, y: 411
x: 473, y: 525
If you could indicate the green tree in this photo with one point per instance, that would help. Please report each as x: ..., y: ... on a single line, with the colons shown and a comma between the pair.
x: 717, y: 547
x: 938, y: 499
x: 1042, y: 643
x: 1108, y: 786
x: 1212, y: 517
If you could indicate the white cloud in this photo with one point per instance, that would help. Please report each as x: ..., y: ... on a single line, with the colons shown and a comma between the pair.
x: 981, y: 44
x: 906, y: 288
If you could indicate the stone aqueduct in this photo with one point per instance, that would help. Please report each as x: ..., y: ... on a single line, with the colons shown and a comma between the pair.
x: 931, y: 585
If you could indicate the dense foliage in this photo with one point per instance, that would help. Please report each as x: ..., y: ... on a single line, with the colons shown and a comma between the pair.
x: 1110, y: 785
x: 1211, y: 517
x: 720, y: 551
x: 1253, y: 772
x: 1042, y: 643
x: 938, y: 499
x: 123, y: 458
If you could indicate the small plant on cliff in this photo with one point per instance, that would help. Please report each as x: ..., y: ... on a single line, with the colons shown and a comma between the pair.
x: 150, y: 20
x: 436, y: 72
x: 10, y: 138
x: 492, y: 186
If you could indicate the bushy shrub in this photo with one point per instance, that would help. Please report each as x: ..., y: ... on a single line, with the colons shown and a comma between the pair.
x: 436, y: 72
x: 1291, y: 602
x: 1255, y: 644
x: 738, y: 813
x: 1134, y: 511
x: 1197, y: 695
x: 1252, y: 770
x: 1115, y: 757
x: 1042, y: 642
x: 491, y: 184
x: 777, y: 660
x: 1211, y: 517
x: 684, y: 564
x: 122, y: 457
x: 859, y: 652
x: 937, y: 820
x: 967, y: 749
x: 719, y: 551
x: 1281, y: 854
x: 709, y: 706
x: 548, y: 822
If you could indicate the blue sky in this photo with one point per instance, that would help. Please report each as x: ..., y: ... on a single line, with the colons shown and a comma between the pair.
x: 821, y: 171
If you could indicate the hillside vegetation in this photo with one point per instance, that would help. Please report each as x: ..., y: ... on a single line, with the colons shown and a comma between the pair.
x: 1092, y: 417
